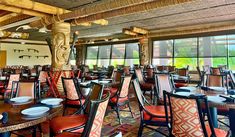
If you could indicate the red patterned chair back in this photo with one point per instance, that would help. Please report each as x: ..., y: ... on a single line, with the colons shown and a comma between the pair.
x: 139, y: 75
x: 138, y: 93
x: 13, y: 77
x: 96, y: 116
x: 126, y: 70
x: 215, y: 71
x: 215, y: 80
x: 163, y: 82
x: 27, y: 89
x: 125, y: 87
x: 43, y: 75
x: 186, y: 116
x: 117, y: 76
x: 183, y: 72
x: 71, y: 89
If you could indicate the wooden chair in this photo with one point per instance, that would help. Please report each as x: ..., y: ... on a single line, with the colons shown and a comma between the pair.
x: 94, y: 122
x: 215, y: 71
x: 9, y: 86
x: 121, y: 97
x: 77, y: 121
x: 179, y: 108
x: 145, y: 86
x: 73, y: 95
x: 150, y: 115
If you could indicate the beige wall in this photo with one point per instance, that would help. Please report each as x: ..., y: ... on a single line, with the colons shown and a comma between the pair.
x: 13, y: 57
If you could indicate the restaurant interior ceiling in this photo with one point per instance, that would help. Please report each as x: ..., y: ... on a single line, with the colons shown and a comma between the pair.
x: 161, y: 19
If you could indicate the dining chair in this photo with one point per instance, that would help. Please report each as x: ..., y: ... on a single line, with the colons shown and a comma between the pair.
x: 185, y: 73
x: 150, y: 115
x: 163, y: 82
x: 43, y: 78
x: 171, y: 69
x: 87, y: 74
x: 150, y: 75
x: 94, y: 123
x: 186, y: 118
x: 215, y: 70
x: 78, y: 120
x: 201, y: 77
x: 26, y: 88
x: 6, y: 92
x: 214, y: 80
x: 145, y: 86
x: 73, y: 95
x: 116, y: 77
x: 232, y: 79
x: 126, y: 70
x: 121, y: 97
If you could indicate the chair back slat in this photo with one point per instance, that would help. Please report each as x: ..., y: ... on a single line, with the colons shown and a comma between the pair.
x: 138, y: 92
x: 26, y: 89
x: 125, y: 86
x: 163, y: 82
x: 215, y: 80
x: 96, y: 116
x: 70, y: 89
x: 139, y: 75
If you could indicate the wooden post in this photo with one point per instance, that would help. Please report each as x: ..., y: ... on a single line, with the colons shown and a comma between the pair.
x: 80, y: 56
x: 60, y: 45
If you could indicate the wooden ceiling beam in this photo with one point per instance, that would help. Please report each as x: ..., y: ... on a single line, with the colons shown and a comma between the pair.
x: 22, y: 11
x: 34, y: 6
x: 7, y: 16
x: 90, y: 10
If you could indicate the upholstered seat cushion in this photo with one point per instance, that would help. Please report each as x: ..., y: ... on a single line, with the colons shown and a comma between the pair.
x: 75, y: 102
x: 155, y: 110
x: 178, y: 85
x: 218, y: 132
x: 120, y: 100
x: 112, y: 91
x: 146, y: 86
x: 68, y: 134
x: 61, y: 123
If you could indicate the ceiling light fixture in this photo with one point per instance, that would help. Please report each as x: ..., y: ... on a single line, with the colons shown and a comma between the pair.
x: 139, y: 30
x: 129, y: 32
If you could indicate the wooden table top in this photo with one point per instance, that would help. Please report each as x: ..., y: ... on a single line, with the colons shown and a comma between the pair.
x: 18, y: 121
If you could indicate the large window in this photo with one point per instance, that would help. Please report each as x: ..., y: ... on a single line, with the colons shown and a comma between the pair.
x: 163, y: 52
x: 203, y: 51
x: 91, y: 56
x: 117, y: 54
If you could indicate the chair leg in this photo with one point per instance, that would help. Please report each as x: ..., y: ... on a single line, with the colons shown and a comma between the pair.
x: 118, y: 111
x: 130, y: 109
x: 140, y: 129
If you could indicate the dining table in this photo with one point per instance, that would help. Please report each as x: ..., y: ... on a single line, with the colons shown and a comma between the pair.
x: 218, y: 97
x: 17, y: 121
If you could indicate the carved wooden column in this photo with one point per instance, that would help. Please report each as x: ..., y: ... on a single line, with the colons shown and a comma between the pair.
x: 144, y: 51
x: 60, y: 45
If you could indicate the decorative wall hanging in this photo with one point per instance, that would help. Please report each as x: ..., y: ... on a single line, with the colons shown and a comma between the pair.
x: 34, y: 50
x: 42, y: 56
x: 22, y: 56
x: 18, y: 50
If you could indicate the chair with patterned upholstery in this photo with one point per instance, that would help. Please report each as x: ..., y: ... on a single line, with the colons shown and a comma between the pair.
x: 214, y: 80
x: 120, y: 97
x: 73, y: 96
x: 6, y: 92
x: 94, y: 123
x: 77, y: 121
x: 116, y: 77
x: 149, y: 76
x: 163, y: 82
x: 215, y: 71
x: 43, y: 77
x: 187, y: 119
x: 150, y: 115
x: 184, y: 74
x: 145, y: 86
x: 26, y: 88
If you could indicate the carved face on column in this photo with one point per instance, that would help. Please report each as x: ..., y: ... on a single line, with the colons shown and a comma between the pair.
x: 61, y: 49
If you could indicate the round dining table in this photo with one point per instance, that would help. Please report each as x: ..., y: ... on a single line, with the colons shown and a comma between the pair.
x: 17, y: 121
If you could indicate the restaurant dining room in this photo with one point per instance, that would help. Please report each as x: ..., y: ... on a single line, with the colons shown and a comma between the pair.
x: 117, y: 68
